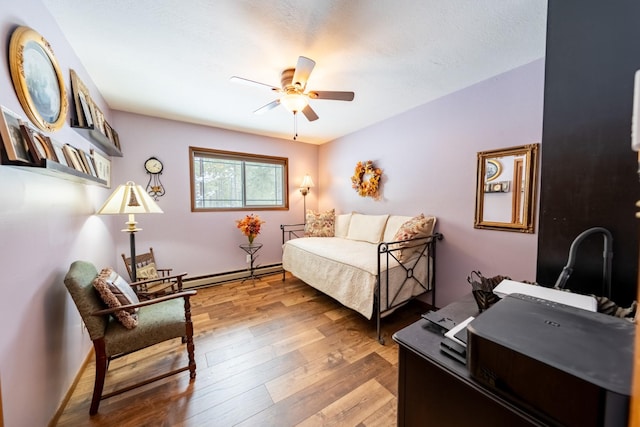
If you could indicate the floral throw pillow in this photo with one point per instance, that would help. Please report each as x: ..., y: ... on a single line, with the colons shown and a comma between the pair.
x: 116, y: 292
x: 147, y: 272
x: 320, y: 224
x: 418, y: 226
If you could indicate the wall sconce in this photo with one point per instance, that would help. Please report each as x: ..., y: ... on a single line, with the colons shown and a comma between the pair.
x: 305, y: 187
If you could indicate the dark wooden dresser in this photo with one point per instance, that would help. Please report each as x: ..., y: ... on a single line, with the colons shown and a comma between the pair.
x: 436, y: 390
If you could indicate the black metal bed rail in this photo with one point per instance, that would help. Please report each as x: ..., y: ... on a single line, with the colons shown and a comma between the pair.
x: 290, y: 231
x: 389, y: 252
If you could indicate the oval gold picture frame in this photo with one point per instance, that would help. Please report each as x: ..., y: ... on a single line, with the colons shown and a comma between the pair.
x: 37, y: 79
x: 494, y: 169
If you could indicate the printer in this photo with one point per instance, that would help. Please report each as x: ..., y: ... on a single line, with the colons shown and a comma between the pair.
x: 566, y: 365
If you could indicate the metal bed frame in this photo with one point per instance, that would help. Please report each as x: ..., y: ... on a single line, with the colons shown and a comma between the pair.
x: 388, y: 251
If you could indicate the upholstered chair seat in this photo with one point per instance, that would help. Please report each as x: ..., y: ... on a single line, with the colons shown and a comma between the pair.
x: 156, y: 320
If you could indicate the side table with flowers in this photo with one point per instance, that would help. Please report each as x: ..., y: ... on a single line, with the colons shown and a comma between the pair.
x: 250, y: 227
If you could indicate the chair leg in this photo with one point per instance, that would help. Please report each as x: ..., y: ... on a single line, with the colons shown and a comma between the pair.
x: 189, y: 338
x: 102, y: 362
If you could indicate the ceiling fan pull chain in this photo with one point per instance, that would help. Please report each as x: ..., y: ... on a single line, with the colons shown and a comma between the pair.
x: 295, y: 125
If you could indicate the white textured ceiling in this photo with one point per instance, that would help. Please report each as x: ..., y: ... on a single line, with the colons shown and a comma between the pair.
x: 173, y: 58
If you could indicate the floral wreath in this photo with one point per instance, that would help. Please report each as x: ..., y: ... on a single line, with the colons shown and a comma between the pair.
x: 369, y: 188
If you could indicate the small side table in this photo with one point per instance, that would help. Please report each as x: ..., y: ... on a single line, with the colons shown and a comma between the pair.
x: 251, y: 250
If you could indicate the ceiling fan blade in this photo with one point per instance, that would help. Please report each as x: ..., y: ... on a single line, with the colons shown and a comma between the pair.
x: 269, y: 106
x: 248, y: 82
x: 334, y: 95
x: 303, y: 70
x: 309, y: 113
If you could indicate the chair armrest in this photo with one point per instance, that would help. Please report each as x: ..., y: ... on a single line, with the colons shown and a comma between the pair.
x: 157, y: 279
x: 183, y: 294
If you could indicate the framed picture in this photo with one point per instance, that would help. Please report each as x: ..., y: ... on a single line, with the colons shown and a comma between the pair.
x: 84, y: 160
x: 85, y: 111
x: 12, y: 138
x: 37, y: 79
x: 89, y: 163
x: 57, y: 148
x: 73, y: 159
x: 82, y: 101
x: 39, y: 145
x: 103, y: 166
x: 98, y: 119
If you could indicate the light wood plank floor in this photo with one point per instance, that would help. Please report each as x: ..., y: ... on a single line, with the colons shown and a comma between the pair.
x: 269, y: 353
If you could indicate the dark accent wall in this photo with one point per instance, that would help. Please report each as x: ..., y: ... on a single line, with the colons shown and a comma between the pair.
x: 588, y: 170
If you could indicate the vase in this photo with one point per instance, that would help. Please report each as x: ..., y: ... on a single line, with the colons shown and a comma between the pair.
x: 251, y: 237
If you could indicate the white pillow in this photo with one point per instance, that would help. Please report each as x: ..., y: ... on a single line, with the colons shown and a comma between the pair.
x: 342, y: 225
x: 367, y: 228
x: 393, y: 225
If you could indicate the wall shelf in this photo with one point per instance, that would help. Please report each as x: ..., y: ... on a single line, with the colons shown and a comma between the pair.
x: 51, y: 168
x: 97, y: 138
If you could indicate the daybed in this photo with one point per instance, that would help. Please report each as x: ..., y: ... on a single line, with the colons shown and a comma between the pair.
x: 370, y: 263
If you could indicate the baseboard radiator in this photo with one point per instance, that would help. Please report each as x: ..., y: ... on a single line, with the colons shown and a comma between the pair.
x: 230, y: 276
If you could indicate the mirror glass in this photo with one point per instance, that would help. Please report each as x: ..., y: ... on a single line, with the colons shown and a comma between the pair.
x: 506, y: 189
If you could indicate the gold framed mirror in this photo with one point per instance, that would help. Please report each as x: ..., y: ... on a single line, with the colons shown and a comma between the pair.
x: 37, y: 79
x: 506, y: 189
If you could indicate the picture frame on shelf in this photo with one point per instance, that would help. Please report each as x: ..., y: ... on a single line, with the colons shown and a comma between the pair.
x: 57, y: 148
x: 39, y: 144
x: 14, y: 143
x: 85, y: 111
x: 73, y: 158
x: 116, y: 139
x: 103, y: 166
x: 83, y: 161
x: 90, y: 164
x: 37, y: 79
x: 82, y: 100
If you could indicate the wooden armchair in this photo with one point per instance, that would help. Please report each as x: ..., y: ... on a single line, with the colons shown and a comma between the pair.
x: 158, y: 320
x: 151, y: 281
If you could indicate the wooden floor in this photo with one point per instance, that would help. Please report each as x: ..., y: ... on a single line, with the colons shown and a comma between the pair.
x: 269, y: 353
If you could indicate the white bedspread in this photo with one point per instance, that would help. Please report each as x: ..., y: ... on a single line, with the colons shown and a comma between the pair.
x: 346, y: 271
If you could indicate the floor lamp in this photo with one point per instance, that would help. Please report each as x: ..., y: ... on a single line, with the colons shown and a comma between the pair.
x: 305, y: 187
x: 130, y: 199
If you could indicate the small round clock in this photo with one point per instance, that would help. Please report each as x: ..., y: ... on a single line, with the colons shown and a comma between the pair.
x: 153, y: 165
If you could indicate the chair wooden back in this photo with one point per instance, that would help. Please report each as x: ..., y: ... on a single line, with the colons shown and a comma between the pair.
x: 142, y: 260
x: 79, y: 283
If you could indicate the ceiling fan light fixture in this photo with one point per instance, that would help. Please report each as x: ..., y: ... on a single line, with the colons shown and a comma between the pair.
x: 294, y: 102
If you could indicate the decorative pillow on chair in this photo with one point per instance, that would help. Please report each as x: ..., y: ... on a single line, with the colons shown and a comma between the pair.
x: 418, y: 226
x: 116, y: 292
x: 320, y: 224
x: 147, y: 272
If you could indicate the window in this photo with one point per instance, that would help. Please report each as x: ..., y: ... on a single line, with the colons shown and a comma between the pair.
x: 224, y: 180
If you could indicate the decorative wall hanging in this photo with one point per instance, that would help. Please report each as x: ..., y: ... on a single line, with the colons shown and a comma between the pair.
x: 37, y: 79
x: 154, y: 167
x: 366, y: 179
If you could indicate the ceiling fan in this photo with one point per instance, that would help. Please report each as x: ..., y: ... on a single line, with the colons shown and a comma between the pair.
x: 294, y: 96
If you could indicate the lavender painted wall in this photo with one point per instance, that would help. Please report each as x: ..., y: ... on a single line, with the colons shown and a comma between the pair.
x: 45, y: 224
x: 428, y: 156
x: 202, y: 243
